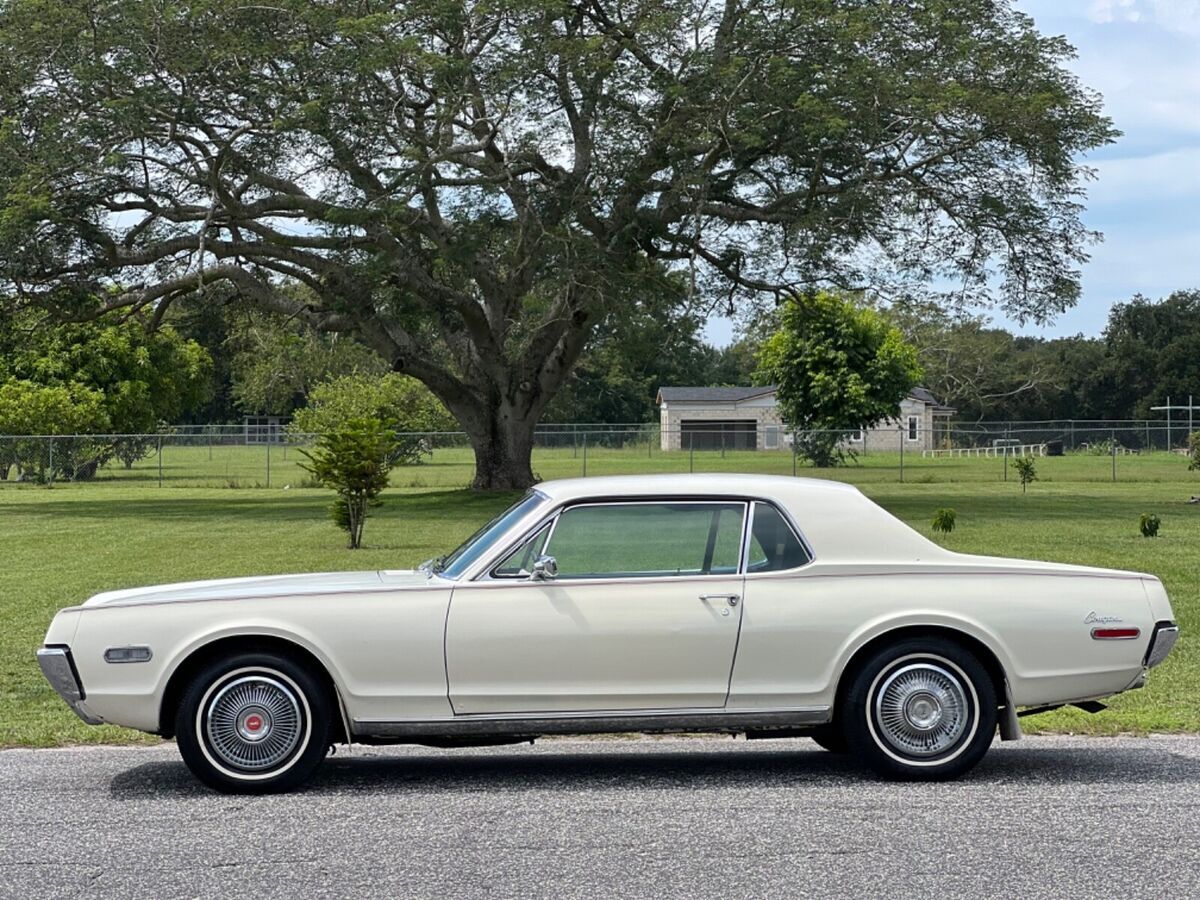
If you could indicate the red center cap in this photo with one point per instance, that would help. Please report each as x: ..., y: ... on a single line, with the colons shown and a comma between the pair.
x: 254, y: 722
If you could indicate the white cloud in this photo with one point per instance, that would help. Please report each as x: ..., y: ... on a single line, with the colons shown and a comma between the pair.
x: 1105, y: 11
x: 1174, y: 15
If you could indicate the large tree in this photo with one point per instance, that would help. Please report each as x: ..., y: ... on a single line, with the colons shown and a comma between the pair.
x: 468, y: 187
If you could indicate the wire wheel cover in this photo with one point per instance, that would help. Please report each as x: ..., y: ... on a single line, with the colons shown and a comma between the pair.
x: 254, y: 723
x: 922, y: 709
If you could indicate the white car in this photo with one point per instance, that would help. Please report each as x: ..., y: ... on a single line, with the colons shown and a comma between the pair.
x: 769, y: 606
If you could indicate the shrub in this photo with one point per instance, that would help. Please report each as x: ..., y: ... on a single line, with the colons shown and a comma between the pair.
x: 1026, y: 470
x: 1194, y: 450
x: 943, y: 520
x: 403, y: 402
x: 354, y: 461
x: 1148, y: 524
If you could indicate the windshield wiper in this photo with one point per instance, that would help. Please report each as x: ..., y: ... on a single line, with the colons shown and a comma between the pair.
x: 433, y: 566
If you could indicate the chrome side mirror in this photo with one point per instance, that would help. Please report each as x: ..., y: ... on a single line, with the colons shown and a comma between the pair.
x: 545, y: 568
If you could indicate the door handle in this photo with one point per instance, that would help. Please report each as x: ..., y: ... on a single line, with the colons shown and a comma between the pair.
x: 731, y: 599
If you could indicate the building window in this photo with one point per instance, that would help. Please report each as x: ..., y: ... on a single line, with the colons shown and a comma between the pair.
x: 856, y: 437
x: 913, y: 427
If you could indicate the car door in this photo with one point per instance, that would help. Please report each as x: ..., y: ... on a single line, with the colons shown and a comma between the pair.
x: 643, y: 613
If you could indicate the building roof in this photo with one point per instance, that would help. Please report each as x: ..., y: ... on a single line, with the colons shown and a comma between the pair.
x: 740, y: 394
x: 712, y: 394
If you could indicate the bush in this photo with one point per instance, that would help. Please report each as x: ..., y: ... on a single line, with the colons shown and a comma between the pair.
x: 354, y: 461
x: 1148, y: 525
x: 943, y: 521
x: 1194, y: 450
x: 396, y: 399
x: 1026, y: 471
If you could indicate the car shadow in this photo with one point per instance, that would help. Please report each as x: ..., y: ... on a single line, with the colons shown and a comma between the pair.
x: 678, y: 768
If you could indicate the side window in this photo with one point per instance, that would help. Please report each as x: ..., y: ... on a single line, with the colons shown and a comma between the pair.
x: 639, y: 540
x: 913, y: 424
x: 773, y: 544
x: 519, y: 563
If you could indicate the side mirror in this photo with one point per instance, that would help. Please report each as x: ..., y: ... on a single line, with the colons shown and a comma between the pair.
x: 545, y: 568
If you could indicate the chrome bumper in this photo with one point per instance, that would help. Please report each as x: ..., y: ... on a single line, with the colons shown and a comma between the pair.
x: 1164, y: 638
x: 59, y: 669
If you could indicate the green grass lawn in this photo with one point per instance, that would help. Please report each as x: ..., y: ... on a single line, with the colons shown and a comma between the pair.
x: 60, y: 545
x: 190, y: 464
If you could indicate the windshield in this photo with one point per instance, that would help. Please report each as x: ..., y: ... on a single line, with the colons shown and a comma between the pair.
x: 454, y: 564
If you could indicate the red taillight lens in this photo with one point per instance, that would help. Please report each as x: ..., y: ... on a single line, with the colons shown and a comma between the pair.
x: 1115, y: 634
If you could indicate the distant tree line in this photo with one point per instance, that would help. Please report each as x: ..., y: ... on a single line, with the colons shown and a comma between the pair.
x: 213, y: 363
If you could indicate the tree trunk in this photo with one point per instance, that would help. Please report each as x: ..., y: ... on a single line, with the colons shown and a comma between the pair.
x: 502, y: 438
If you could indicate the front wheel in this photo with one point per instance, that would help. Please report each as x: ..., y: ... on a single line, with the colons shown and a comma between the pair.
x: 254, y: 723
x: 921, y: 710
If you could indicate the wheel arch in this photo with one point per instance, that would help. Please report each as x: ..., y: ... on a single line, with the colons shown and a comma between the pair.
x: 205, y: 653
x: 986, y: 655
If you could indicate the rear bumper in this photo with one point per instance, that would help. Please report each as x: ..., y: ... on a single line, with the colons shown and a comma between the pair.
x: 1164, y: 638
x: 59, y: 669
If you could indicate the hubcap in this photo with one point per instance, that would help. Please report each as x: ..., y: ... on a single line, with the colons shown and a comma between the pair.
x: 921, y: 709
x: 254, y: 722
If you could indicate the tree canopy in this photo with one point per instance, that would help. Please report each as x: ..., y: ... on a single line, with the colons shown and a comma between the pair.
x: 125, y: 380
x: 469, y: 187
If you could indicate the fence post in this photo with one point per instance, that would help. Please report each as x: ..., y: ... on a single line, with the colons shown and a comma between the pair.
x: 691, y: 452
x: 1168, y: 422
x: 900, y: 433
x: 269, y: 439
x: 160, y: 460
x: 585, y: 454
x: 1113, y: 442
x: 50, y: 469
x: 794, y: 454
x: 1006, y: 462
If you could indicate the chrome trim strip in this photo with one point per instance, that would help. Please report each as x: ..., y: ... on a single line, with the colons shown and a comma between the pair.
x: 58, y: 667
x: 595, y: 723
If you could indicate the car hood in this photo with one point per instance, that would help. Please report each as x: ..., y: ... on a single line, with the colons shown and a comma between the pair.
x: 266, y: 586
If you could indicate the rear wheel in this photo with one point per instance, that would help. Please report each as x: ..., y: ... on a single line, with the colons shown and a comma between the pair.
x: 254, y: 723
x: 921, y: 710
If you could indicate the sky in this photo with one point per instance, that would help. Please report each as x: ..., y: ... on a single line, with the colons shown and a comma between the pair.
x: 1143, y: 56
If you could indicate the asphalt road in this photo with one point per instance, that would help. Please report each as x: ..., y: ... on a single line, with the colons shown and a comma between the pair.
x: 685, y: 817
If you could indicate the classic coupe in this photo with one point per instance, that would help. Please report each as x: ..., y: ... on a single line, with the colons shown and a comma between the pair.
x: 767, y: 606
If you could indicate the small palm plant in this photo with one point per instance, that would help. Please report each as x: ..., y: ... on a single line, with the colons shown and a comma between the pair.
x: 1148, y: 524
x: 943, y: 521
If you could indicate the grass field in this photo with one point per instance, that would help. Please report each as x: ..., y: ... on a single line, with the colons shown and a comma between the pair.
x: 61, y: 544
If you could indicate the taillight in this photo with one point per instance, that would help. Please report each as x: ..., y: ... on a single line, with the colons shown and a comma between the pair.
x: 1115, y: 634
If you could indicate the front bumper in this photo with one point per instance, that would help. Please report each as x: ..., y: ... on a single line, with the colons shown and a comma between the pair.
x: 59, y: 669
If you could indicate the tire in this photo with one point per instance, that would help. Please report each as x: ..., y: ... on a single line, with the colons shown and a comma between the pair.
x: 831, y: 738
x: 920, y: 710
x: 254, y: 723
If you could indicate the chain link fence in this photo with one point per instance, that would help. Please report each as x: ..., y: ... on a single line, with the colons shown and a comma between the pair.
x: 241, y: 457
